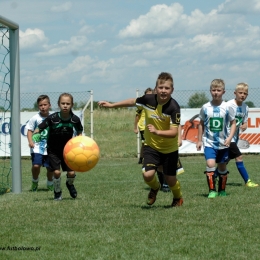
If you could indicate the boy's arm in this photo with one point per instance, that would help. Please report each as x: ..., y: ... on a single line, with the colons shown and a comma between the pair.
x: 125, y: 103
x: 243, y: 127
x: 135, y: 123
x: 172, y: 132
x: 179, y: 136
x: 232, y: 132
x: 200, y: 133
x: 30, y: 140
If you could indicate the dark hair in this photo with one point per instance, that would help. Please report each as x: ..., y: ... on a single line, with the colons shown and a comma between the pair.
x: 42, y: 97
x: 164, y: 76
x: 148, y: 90
x: 65, y: 95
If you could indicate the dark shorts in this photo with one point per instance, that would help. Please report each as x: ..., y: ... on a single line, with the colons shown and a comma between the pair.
x: 40, y: 159
x: 221, y: 156
x: 153, y: 159
x: 234, y: 151
x: 57, y: 161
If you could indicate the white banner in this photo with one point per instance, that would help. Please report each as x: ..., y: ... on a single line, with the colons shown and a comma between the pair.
x: 5, y: 140
x: 249, y: 138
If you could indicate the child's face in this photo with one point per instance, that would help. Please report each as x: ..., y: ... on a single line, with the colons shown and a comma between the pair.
x: 217, y: 93
x: 241, y: 94
x: 164, y: 91
x: 65, y: 104
x: 44, y: 107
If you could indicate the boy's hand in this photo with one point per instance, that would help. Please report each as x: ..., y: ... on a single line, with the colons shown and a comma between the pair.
x: 152, y: 129
x: 104, y: 104
x: 36, y: 137
x: 227, y: 142
x: 199, y: 145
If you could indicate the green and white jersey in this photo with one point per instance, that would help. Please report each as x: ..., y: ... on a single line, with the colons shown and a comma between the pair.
x: 241, y: 117
x: 216, y: 122
x: 32, y: 124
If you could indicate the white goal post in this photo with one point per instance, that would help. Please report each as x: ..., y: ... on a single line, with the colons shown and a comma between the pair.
x: 15, y: 143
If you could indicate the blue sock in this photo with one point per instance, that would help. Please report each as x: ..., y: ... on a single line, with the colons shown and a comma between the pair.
x: 242, y: 170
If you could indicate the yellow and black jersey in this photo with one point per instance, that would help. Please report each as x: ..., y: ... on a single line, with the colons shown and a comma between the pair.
x: 141, y: 122
x: 162, y: 117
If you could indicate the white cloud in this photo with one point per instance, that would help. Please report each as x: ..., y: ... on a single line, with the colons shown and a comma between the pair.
x: 240, y: 7
x: 32, y: 39
x: 73, y: 46
x: 61, y: 8
x: 159, y: 19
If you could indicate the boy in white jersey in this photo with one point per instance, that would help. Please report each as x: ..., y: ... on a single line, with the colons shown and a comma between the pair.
x: 39, y: 149
x: 162, y: 117
x: 241, y: 109
x: 215, y: 117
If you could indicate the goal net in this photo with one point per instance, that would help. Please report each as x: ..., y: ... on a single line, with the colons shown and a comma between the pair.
x: 10, y: 144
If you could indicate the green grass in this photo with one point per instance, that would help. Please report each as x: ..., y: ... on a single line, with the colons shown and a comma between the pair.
x: 110, y: 220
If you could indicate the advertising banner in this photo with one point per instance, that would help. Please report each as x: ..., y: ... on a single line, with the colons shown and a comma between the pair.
x: 249, y: 140
x: 5, y: 131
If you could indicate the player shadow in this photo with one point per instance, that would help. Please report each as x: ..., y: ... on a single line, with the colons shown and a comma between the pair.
x: 234, y: 184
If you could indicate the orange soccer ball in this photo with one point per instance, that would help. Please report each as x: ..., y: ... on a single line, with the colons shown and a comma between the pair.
x: 81, y: 153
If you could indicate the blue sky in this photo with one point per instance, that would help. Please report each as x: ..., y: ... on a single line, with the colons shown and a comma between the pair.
x: 115, y: 47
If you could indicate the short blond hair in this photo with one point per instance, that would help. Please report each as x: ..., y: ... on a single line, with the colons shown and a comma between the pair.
x: 217, y: 83
x: 242, y: 85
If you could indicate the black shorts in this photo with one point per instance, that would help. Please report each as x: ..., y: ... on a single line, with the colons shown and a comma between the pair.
x: 56, y: 161
x: 234, y: 151
x: 153, y: 159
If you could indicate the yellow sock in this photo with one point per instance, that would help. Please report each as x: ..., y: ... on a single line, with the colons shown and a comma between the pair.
x: 176, y: 190
x: 154, y: 184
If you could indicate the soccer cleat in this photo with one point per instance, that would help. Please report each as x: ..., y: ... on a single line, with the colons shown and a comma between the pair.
x: 165, y: 188
x: 152, y: 196
x: 34, y: 186
x: 180, y: 171
x: 50, y: 187
x: 251, y: 184
x: 177, y: 202
x: 212, y: 194
x: 222, y: 193
x: 57, y: 195
x: 72, y: 190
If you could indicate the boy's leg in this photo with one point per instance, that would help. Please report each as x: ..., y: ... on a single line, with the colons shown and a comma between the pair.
x: 57, y: 185
x: 170, y: 169
x: 211, y: 182
x: 36, y: 167
x: 70, y: 184
x: 210, y: 156
x: 234, y: 152
x: 35, y: 176
x: 49, y: 175
x: 151, y: 161
x: 180, y: 169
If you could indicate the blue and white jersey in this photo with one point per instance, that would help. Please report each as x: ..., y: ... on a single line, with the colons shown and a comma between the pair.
x: 216, y: 121
x: 241, y: 117
x: 32, y: 124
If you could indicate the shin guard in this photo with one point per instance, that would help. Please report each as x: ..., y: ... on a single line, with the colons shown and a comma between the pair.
x: 211, y: 180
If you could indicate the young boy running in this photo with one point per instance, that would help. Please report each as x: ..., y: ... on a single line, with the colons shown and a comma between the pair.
x: 241, y: 109
x: 215, y: 117
x: 39, y: 149
x: 162, y: 117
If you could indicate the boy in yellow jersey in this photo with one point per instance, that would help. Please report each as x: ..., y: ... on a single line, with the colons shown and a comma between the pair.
x: 139, y: 125
x: 162, y: 117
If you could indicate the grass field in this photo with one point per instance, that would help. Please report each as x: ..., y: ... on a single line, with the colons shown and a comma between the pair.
x: 110, y: 219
